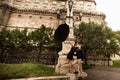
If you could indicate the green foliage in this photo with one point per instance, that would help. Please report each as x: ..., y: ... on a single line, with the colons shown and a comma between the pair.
x: 24, y: 70
x: 99, y: 39
x: 41, y: 36
x: 20, y: 40
x: 13, y: 38
x: 116, y: 63
x: 5, y: 38
x: 56, y: 46
x: 117, y: 36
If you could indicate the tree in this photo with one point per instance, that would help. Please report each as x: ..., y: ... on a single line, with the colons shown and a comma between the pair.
x: 95, y: 39
x: 1, y: 20
x: 4, y: 42
x: 110, y: 46
x: 19, y: 38
x: 41, y: 37
x: 117, y: 36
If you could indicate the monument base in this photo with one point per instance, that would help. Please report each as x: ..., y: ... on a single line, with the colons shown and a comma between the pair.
x: 66, y: 69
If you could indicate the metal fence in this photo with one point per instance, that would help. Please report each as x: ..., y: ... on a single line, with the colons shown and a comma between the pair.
x: 27, y: 57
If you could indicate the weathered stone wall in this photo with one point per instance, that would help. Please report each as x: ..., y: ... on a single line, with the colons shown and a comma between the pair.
x: 34, y: 13
x: 53, y: 4
x: 32, y: 20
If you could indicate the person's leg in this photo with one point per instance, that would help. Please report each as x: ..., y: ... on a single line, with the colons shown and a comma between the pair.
x: 80, y: 65
x: 71, y: 65
x: 74, y: 64
x: 65, y: 63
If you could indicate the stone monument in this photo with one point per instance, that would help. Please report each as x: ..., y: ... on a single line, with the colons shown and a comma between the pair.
x: 66, y: 46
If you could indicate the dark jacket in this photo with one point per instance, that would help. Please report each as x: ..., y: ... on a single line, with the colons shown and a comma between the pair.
x: 80, y: 54
x: 71, y: 53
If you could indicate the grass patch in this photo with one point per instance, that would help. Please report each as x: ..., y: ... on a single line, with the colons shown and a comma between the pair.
x: 116, y: 63
x: 25, y: 70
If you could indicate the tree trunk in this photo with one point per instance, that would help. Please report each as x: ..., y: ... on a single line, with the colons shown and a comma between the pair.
x: 108, y: 60
x: 39, y: 54
x: 1, y: 55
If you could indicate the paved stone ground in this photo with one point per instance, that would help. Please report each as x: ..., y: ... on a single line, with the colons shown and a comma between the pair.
x: 103, y: 73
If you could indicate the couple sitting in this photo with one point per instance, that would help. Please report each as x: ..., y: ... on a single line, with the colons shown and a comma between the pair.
x: 71, y: 61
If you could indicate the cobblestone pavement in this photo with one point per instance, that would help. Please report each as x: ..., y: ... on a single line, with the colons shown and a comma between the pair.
x: 103, y: 73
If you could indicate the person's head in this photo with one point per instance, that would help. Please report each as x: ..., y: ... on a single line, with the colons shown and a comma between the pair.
x: 75, y: 48
x: 82, y: 46
x: 79, y: 46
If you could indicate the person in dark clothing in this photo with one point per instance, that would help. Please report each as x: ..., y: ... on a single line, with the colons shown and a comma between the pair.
x: 70, y: 58
x: 80, y: 58
x: 71, y: 53
x: 80, y: 54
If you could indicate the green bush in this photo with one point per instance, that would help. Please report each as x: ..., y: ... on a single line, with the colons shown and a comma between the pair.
x: 116, y: 63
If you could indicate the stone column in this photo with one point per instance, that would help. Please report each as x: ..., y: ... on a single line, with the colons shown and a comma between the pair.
x: 66, y: 47
x: 11, y: 2
x: 67, y: 44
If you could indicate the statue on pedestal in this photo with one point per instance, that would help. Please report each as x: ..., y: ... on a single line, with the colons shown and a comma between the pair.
x: 69, y: 60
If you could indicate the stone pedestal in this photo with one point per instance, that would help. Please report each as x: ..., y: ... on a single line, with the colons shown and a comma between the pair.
x: 66, y: 47
x: 66, y: 69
